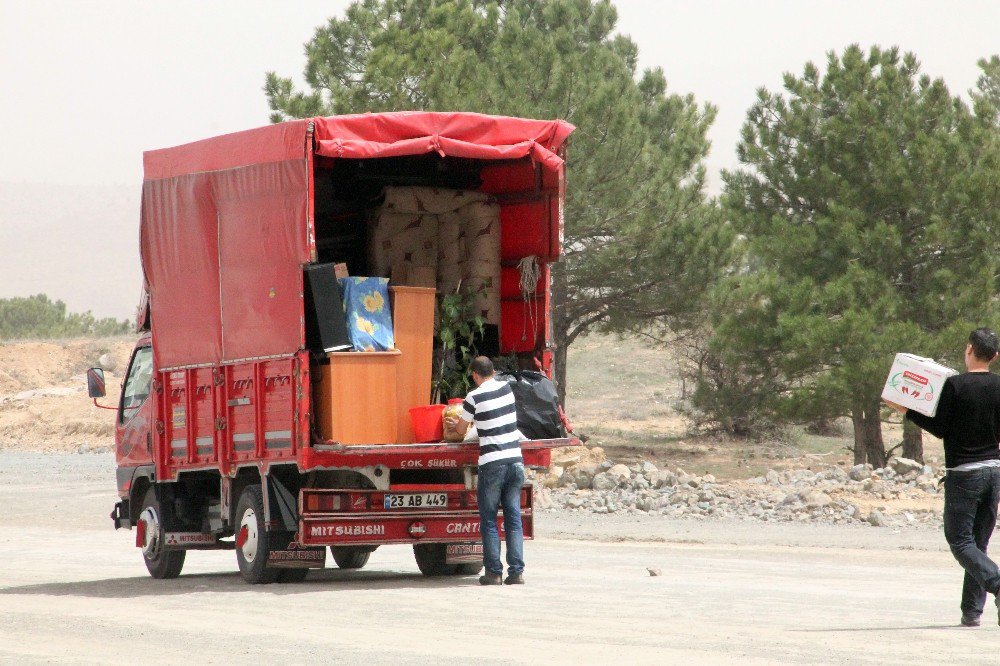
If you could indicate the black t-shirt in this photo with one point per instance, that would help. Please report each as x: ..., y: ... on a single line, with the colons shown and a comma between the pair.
x: 967, y: 418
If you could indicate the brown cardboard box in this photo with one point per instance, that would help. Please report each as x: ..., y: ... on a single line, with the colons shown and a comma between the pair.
x: 422, y: 276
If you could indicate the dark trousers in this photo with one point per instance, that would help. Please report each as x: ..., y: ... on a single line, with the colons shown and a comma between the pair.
x: 970, y: 514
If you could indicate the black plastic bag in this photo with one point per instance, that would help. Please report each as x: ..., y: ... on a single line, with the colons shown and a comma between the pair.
x: 537, y: 404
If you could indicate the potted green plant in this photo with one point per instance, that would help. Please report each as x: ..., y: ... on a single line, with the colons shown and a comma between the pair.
x: 458, y: 326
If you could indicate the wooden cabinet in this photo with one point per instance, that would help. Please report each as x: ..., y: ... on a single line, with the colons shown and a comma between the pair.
x: 355, y: 397
x: 413, y: 324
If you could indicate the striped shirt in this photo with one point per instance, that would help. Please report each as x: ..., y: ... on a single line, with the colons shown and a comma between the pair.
x: 491, y: 408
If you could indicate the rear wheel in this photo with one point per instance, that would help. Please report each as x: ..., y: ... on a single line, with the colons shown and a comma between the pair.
x: 431, y: 559
x: 160, y: 562
x: 350, y: 557
x: 252, y: 546
x: 470, y: 569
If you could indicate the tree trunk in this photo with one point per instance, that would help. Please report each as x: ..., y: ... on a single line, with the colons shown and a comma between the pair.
x: 874, y: 445
x: 913, y: 441
x: 860, y: 452
x: 868, y: 444
x: 560, y: 329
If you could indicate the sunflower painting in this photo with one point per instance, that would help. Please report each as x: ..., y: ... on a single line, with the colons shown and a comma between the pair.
x: 369, y: 321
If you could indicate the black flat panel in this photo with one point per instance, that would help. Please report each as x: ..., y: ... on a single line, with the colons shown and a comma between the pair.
x: 326, y: 326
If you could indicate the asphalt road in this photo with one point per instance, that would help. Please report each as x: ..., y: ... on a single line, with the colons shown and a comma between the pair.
x: 74, y: 590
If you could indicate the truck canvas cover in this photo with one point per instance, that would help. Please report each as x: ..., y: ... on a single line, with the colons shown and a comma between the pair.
x: 226, y: 222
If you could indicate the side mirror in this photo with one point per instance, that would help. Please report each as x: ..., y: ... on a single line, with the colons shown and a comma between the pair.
x: 95, y: 383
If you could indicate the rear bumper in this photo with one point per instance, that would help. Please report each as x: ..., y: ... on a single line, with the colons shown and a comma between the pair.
x: 459, y: 522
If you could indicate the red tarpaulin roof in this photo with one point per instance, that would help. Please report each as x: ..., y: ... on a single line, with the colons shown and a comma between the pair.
x: 225, y: 227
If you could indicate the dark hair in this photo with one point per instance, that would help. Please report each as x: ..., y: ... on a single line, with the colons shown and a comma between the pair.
x: 984, y: 344
x: 483, y: 366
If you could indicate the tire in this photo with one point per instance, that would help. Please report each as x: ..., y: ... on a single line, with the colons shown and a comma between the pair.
x: 296, y: 575
x: 431, y: 559
x: 160, y: 563
x: 350, y: 557
x: 251, y: 554
x: 470, y: 569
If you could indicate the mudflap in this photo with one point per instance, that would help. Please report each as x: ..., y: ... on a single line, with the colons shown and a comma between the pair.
x: 463, y: 553
x: 297, y: 556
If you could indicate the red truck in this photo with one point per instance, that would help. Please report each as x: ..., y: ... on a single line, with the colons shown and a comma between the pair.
x: 218, y: 437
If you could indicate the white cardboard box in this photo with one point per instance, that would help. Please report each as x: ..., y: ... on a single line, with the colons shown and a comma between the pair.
x: 916, y: 383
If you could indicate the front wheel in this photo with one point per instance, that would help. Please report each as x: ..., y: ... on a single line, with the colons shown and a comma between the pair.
x: 252, y: 539
x: 160, y: 562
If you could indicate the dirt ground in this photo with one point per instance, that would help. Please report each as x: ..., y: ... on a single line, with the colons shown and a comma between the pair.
x: 72, y: 590
x: 626, y: 395
x: 43, y: 398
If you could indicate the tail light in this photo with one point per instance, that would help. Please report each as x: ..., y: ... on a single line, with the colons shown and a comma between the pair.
x: 325, y: 502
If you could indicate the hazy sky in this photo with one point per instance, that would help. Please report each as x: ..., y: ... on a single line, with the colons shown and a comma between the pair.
x: 87, y: 86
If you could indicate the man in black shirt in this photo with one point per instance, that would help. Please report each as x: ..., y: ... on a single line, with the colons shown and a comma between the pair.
x: 968, y: 420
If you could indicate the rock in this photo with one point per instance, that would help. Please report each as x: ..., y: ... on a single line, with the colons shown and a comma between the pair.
x: 663, y: 479
x: 927, y: 483
x: 860, y: 472
x: 648, y: 468
x: 580, y: 475
x: 554, y: 478
x: 604, y: 481
x: 577, y: 455
x: 835, y: 474
x: 620, y: 472
x: 815, y: 499
x: 903, y: 466
x: 876, y: 519
x: 107, y: 362
x: 772, y: 478
x: 708, y: 478
x: 706, y: 496
x: 694, y: 481
x: 543, y: 499
x: 654, y: 572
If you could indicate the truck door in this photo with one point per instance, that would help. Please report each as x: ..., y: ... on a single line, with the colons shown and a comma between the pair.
x: 135, y: 411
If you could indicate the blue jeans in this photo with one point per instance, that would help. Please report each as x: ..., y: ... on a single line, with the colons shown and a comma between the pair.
x: 500, y: 484
x: 970, y: 514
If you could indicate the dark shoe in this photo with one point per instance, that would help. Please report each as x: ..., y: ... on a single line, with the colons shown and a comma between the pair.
x: 491, y: 579
x: 970, y: 620
x: 514, y: 579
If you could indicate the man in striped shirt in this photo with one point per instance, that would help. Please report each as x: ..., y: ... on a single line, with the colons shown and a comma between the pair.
x: 501, y: 470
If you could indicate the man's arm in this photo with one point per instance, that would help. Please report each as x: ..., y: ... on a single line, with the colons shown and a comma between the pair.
x: 939, y: 424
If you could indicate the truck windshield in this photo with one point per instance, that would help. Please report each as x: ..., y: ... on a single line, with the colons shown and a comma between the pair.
x: 136, y: 388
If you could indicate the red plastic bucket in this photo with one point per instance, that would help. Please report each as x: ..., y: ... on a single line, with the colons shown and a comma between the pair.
x: 427, y: 425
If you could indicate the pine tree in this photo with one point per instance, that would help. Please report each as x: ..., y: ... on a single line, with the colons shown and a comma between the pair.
x: 642, y: 243
x: 869, y: 202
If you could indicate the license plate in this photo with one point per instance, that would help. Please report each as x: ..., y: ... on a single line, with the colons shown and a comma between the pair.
x: 463, y: 553
x: 417, y: 501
